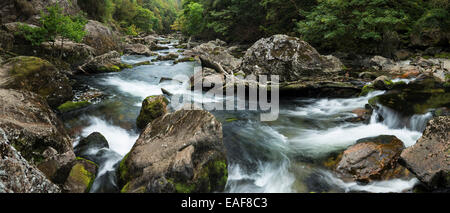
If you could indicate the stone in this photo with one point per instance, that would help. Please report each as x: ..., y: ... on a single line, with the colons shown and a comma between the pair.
x: 31, y: 126
x: 289, y: 57
x: 19, y: 176
x: 101, y: 37
x: 373, y: 158
x: 38, y: 76
x: 429, y: 158
x: 81, y: 176
x: 153, y: 107
x: 179, y: 152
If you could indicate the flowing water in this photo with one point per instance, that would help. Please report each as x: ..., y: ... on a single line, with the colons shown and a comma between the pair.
x: 286, y: 155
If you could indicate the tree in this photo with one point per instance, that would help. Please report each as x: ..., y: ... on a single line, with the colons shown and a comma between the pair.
x: 54, y: 24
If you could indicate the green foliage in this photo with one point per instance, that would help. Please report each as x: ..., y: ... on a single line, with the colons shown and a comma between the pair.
x: 131, y: 30
x: 191, y: 20
x: 364, y: 24
x: 55, y: 24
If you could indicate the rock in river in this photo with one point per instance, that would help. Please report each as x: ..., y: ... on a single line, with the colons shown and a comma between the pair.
x: 429, y: 158
x: 289, y: 57
x: 179, y: 152
x: 373, y: 158
x: 153, y: 107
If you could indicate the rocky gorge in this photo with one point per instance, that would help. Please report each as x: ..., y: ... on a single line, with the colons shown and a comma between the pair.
x: 99, y: 119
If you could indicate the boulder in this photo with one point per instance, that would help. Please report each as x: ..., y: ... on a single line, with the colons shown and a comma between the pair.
x: 429, y: 158
x: 100, y: 37
x: 81, y: 176
x: 19, y: 176
x: 373, y: 158
x: 382, y: 83
x: 417, y: 97
x: 56, y: 166
x: 289, y: 57
x: 108, y: 62
x: 31, y: 126
x: 38, y: 76
x: 93, y: 141
x: 73, y: 53
x: 137, y: 49
x: 215, y: 56
x: 153, y: 107
x: 180, y: 152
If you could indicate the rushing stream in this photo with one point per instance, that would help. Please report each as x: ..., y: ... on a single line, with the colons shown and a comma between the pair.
x: 286, y: 155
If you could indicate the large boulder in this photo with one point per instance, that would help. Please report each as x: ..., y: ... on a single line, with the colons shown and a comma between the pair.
x: 215, y: 56
x: 373, y: 158
x: 73, y: 53
x: 429, y: 158
x: 289, y: 57
x: 100, y: 37
x: 36, y: 75
x: 153, y: 107
x: 137, y: 49
x: 108, y: 62
x: 31, y: 126
x: 93, y: 141
x: 19, y: 176
x: 180, y: 152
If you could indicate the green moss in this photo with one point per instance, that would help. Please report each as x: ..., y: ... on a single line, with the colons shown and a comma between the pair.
x: 123, y: 170
x: 445, y: 55
x: 153, y: 107
x: 366, y: 90
x: 231, y: 119
x: 71, y: 106
x: 125, y: 188
x: 182, y: 187
x: 80, y: 175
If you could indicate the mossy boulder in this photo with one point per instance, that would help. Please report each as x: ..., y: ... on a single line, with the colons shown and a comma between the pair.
x: 81, y: 176
x: 180, y: 152
x: 94, y: 141
x: 152, y: 107
x: 72, y: 106
x: 417, y: 97
x: 36, y: 75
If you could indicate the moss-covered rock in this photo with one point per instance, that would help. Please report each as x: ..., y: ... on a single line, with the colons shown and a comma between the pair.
x: 152, y: 107
x: 71, y: 106
x: 185, y: 59
x: 81, y: 176
x: 416, y: 97
x: 36, y: 75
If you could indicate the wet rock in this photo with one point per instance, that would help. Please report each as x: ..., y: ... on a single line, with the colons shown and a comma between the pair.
x: 429, y: 158
x: 100, y: 37
x: 31, y: 126
x: 362, y: 115
x: 289, y: 57
x: 108, y: 62
x: 38, y: 76
x: 169, y: 56
x: 94, y: 141
x: 179, y: 152
x: 382, y: 83
x: 81, y: 176
x: 56, y: 166
x: 153, y: 107
x: 319, y: 88
x: 19, y: 176
x: 138, y: 49
x: 373, y: 159
x: 417, y: 97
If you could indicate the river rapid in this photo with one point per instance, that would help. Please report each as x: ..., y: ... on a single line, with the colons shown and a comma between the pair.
x: 286, y: 155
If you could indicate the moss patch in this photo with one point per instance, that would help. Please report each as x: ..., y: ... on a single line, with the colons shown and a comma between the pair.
x: 366, y: 90
x: 152, y: 107
x: 80, y: 175
x: 71, y: 106
x: 123, y: 170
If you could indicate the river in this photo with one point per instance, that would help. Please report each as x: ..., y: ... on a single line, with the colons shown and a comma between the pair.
x: 286, y: 155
